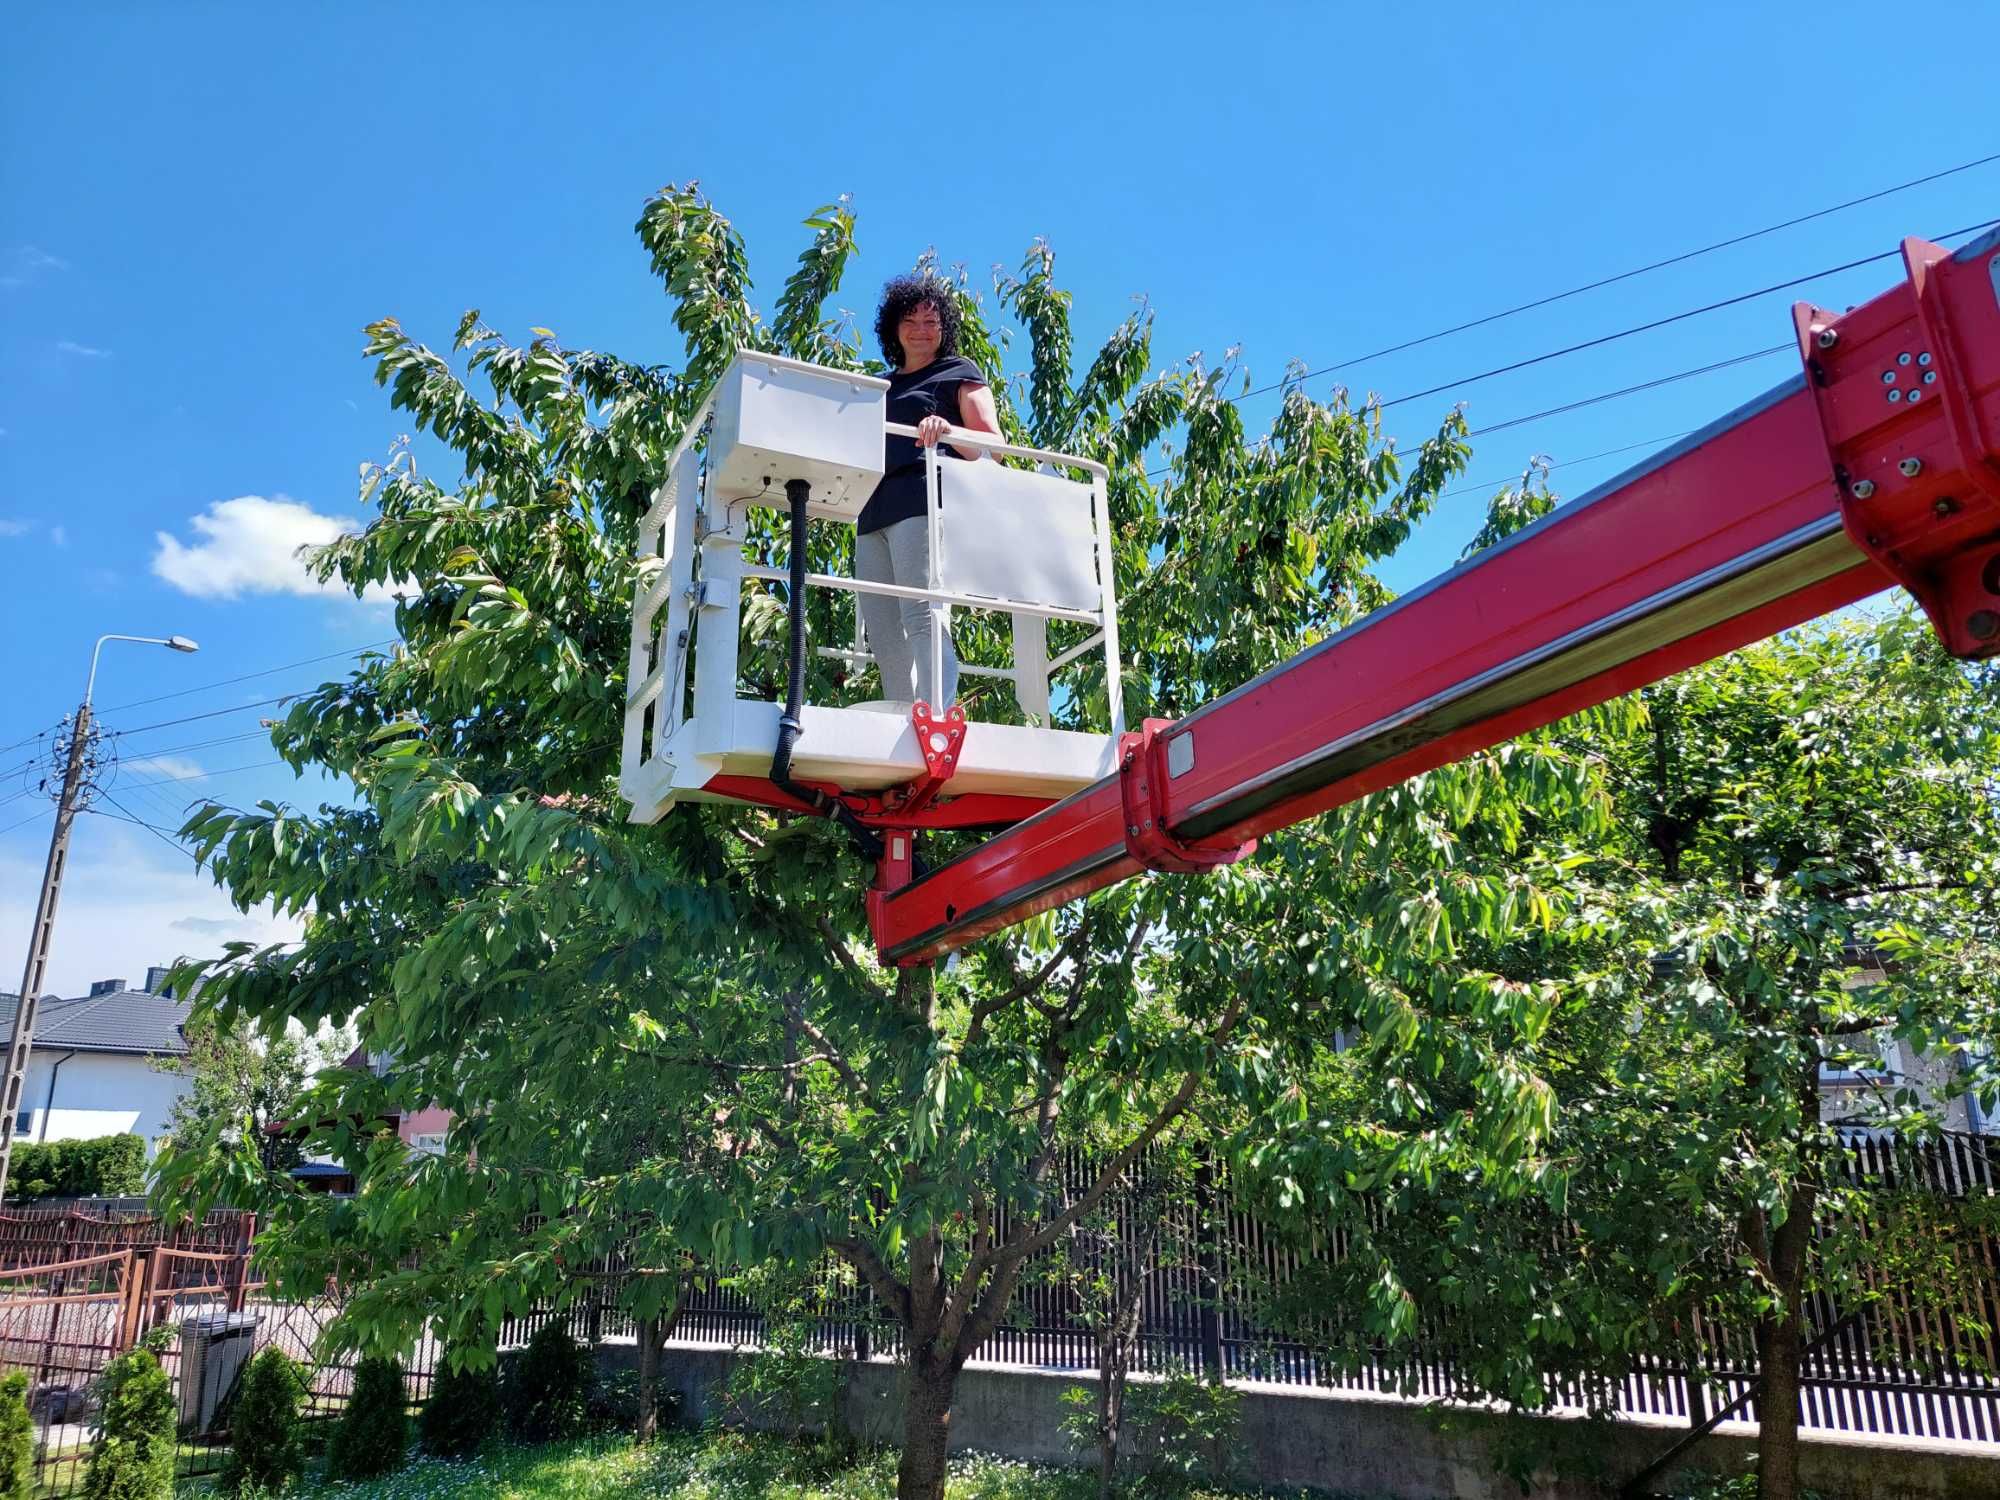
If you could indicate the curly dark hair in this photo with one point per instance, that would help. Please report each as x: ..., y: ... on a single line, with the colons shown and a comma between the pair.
x: 900, y: 296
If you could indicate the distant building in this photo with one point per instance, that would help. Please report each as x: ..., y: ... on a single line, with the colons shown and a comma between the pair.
x: 422, y: 1130
x: 92, y: 1072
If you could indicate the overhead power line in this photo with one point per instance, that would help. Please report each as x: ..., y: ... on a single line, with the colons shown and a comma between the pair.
x: 209, y: 687
x: 1679, y: 317
x: 126, y: 815
x: 214, y: 713
x: 205, y: 775
x: 1604, y: 281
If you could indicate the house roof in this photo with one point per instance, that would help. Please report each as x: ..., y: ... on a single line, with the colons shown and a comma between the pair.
x: 128, y: 1021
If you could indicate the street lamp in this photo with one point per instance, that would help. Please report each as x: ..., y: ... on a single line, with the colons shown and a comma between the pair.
x: 171, y: 642
x: 45, y: 909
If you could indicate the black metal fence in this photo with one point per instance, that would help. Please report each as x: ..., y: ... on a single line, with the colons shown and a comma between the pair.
x: 76, y: 1290
x: 1896, y: 1366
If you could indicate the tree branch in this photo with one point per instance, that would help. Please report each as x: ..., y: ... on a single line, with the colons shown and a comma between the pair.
x: 833, y: 1055
x: 838, y: 950
x: 1068, y: 948
x: 1113, y: 1170
x: 875, y: 1271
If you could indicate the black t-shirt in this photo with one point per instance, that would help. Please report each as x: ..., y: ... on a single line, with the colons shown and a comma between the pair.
x: 914, y: 395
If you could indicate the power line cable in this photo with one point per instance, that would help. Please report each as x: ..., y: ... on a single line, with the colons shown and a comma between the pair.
x: 27, y: 820
x: 1679, y: 317
x: 247, y: 676
x: 126, y: 815
x: 205, y: 775
x: 1487, y: 484
x: 1632, y: 390
x: 1658, y: 265
x: 214, y: 713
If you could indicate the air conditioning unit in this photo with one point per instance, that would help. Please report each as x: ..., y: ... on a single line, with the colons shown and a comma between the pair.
x: 214, y: 1351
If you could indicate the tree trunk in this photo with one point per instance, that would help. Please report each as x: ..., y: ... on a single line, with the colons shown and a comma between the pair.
x: 649, y: 1380
x: 1110, y: 1417
x: 1778, y: 1344
x: 928, y: 1384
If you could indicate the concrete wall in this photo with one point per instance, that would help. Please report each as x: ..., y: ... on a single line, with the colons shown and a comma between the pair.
x: 97, y: 1093
x: 1379, y: 1447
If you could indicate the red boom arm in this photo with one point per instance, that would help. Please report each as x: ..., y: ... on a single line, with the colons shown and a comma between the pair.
x: 1879, y: 465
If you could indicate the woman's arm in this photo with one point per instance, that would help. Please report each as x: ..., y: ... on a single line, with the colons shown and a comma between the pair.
x: 975, y: 412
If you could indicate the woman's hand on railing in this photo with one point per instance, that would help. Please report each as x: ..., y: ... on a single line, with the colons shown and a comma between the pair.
x: 931, y: 429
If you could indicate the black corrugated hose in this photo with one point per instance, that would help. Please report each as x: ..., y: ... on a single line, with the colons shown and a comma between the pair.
x: 867, y: 842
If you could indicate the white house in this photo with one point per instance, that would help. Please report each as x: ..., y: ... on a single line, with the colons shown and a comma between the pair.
x: 92, y: 1071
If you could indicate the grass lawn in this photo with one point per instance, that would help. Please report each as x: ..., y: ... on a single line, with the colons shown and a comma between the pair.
x: 689, y: 1466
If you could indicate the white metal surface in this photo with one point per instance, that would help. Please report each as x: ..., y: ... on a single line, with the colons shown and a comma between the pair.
x: 778, y: 419
x: 1033, y: 546
x: 1012, y: 534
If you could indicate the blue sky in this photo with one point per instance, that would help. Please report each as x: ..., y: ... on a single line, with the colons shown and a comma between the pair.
x: 204, y: 203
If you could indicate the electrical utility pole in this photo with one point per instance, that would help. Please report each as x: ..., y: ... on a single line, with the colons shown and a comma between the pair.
x: 38, y: 939
x: 76, y: 765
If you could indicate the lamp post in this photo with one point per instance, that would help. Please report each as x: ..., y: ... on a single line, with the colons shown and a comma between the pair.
x: 45, y: 908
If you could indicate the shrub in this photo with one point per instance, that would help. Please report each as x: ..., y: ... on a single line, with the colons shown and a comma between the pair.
x: 547, y: 1391
x: 464, y: 1409
x: 373, y: 1434
x: 1183, y: 1428
x: 134, y: 1460
x: 109, y: 1166
x: 267, y: 1451
x: 17, y: 1439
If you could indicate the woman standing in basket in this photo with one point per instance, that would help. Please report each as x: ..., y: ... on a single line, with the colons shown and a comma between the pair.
x: 931, y: 387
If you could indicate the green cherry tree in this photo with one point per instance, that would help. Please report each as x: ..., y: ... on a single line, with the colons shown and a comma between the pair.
x: 674, y: 1038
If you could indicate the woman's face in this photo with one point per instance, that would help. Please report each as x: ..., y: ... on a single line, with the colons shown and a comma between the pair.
x: 921, y: 331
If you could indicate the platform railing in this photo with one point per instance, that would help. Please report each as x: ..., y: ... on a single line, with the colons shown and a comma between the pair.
x: 1032, y: 667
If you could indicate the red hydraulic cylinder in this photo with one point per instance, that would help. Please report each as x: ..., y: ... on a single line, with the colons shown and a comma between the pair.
x: 1860, y: 473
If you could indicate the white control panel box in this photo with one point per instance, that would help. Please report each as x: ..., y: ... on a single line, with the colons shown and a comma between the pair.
x: 778, y: 419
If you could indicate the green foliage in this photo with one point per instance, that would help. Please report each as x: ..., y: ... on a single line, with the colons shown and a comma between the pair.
x: 547, y: 1388
x: 373, y: 1434
x: 1184, y: 1428
x: 464, y: 1408
x: 240, y: 1082
x: 134, y: 1456
x: 787, y: 1384
x: 266, y: 1447
x: 108, y: 1166
x: 17, y: 1439
x: 675, y: 1037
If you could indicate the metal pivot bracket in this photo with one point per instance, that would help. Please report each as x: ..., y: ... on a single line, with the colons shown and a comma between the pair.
x: 1142, y: 789
x: 1904, y: 389
x: 941, y: 738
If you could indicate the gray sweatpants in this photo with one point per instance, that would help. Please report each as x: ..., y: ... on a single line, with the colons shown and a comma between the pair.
x: 899, y: 630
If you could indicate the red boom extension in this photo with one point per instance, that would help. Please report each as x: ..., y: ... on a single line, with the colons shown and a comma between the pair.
x: 1880, y: 465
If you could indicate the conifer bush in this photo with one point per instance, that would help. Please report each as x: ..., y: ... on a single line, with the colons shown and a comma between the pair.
x: 547, y: 1390
x: 373, y: 1434
x: 134, y: 1459
x: 267, y: 1448
x: 463, y: 1412
x: 17, y: 1439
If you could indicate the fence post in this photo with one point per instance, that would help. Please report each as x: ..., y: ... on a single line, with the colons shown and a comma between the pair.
x: 138, y: 1273
x: 235, y: 1278
x: 1209, y: 1261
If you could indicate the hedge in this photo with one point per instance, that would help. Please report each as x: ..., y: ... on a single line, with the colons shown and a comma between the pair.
x: 111, y: 1166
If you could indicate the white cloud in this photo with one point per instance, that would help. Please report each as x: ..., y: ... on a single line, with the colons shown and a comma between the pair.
x: 24, y: 263
x: 81, y: 351
x: 159, y: 768
x: 249, y: 545
x: 12, y: 527
x: 128, y: 901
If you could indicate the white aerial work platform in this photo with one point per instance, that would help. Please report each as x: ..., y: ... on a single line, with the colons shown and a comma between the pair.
x: 1035, y: 546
